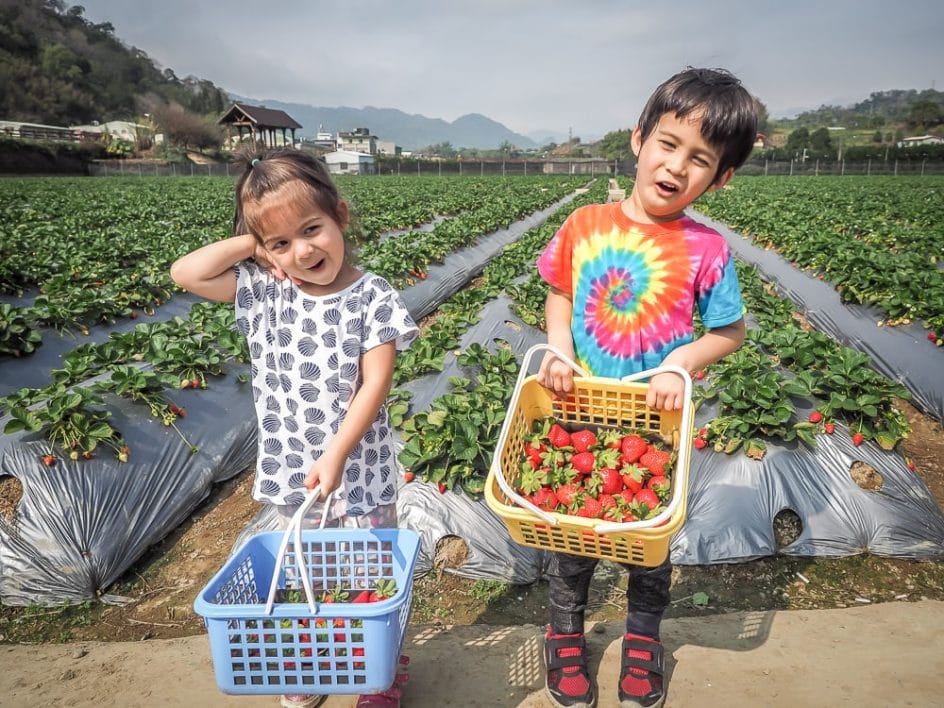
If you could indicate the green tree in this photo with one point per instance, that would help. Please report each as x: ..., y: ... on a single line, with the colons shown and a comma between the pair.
x: 820, y: 141
x: 798, y: 139
x: 614, y: 145
x: 925, y: 113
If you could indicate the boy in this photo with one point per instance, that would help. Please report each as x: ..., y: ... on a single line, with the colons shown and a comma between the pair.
x: 624, y: 280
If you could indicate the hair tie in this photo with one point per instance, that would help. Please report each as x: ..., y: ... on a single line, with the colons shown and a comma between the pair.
x: 255, y: 161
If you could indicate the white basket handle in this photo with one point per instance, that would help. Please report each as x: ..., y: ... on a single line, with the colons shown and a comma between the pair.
x: 506, y: 427
x: 295, y: 527
x: 681, y: 467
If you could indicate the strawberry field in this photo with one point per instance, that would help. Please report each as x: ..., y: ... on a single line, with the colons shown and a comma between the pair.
x: 113, y: 381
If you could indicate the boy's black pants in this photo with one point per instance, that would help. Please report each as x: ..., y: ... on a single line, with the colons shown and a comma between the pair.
x: 569, y: 587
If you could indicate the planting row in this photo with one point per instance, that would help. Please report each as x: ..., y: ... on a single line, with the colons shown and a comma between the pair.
x: 879, y: 241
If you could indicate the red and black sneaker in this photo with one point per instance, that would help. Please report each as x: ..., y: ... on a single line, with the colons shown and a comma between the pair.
x: 567, y: 681
x: 642, y: 673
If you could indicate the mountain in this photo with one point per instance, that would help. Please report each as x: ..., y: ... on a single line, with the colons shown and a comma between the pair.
x: 409, y: 131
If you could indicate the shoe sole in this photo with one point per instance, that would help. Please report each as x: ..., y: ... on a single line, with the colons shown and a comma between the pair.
x: 634, y: 704
x: 553, y: 701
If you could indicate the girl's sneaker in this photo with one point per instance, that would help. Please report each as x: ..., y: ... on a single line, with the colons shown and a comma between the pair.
x: 302, y: 700
x: 567, y: 682
x: 642, y: 672
x: 391, y: 697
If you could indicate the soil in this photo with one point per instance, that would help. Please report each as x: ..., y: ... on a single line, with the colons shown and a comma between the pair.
x: 162, y: 585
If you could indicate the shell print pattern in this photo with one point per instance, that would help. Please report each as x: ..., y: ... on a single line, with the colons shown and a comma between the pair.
x: 305, y: 364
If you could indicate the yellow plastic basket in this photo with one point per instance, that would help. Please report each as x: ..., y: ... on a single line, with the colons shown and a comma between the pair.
x: 600, y: 402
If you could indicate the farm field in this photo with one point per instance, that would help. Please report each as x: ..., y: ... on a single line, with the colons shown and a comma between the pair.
x: 59, y: 271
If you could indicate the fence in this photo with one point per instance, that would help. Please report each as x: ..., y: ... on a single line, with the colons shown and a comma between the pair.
x: 405, y: 167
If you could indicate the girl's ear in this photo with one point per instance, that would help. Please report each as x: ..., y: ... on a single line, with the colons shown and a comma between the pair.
x: 635, y: 141
x: 722, y: 180
x: 344, y: 214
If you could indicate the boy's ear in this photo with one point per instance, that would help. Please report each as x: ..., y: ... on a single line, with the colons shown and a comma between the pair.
x: 635, y: 141
x: 722, y: 180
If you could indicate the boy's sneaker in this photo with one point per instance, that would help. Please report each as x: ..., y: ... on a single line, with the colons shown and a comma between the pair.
x: 567, y: 682
x: 302, y: 700
x: 642, y: 673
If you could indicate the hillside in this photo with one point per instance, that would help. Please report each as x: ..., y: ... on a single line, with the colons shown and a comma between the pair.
x: 920, y: 109
x: 58, y: 68
x: 409, y: 131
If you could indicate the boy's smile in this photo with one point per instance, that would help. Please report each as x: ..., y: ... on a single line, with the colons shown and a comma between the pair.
x: 675, y: 167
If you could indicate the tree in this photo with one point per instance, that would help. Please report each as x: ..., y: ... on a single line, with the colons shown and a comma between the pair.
x: 762, y: 115
x: 186, y: 129
x: 820, y: 141
x: 877, y: 137
x: 798, y: 140
x: 614, y: 145
x: 924, y: 112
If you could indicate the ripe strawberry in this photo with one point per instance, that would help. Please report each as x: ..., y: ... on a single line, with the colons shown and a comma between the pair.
x: 830, y: 428
x: 655, y: 460
x: 173, y: 408
x: 87, y: 454
x: 195, y: 383
x: 660, y: 485
x: 648, y: 498
x: 49, y: 460
x: 699, y: 375
x: 182, y: 412
x: 558, y: 437
x: 612, y: 480
x: 583, y: 440
x: 442, y: 487
x: 911, y: 465
x: 858, y: 439
x: 566, y: 493
x: 700, y: 443
x: 383, y: 590
x: 632, y: 448
x: 584, y: 462
x: 545, y: 499
x: 408, y: 476
x: 815, y: 417
x: 589, y: 508
x: 633, y: 476
x: 607, y: 501
x: 932, y: 337
x: 361, y: 597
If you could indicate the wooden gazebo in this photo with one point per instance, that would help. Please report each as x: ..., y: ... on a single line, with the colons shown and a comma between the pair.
x: 263, y: 124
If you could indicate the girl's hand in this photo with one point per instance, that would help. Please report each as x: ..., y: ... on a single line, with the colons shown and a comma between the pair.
x: 325, y: 474
x: 556, y: 375
x: 666, y: 392
x: 263, y: 258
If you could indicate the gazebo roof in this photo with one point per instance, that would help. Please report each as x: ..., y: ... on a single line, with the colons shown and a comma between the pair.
x: 259, y: 116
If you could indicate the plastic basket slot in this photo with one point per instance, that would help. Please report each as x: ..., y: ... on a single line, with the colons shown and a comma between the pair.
x: 240, y: 588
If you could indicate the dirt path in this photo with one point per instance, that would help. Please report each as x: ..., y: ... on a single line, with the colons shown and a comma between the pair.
x: 881, y: 655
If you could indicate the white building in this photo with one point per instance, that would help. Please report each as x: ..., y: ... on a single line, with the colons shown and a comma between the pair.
x: 920, y: 140
x: 346, y: 162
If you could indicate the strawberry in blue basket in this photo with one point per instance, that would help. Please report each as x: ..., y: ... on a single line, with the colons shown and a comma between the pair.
x: 323, y: 337
x: 625, y: 279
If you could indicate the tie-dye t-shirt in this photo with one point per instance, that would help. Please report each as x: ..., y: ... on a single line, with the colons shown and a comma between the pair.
x: 634, y: 286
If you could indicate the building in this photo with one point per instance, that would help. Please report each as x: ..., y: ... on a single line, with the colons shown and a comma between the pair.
x: 920, y: 140
x: 358, y: 140
x: 265, y: 126
x: 347, y: 162
x: 391, y: 149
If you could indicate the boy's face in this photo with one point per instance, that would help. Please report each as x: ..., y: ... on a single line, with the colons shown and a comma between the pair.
x: 675, y: 167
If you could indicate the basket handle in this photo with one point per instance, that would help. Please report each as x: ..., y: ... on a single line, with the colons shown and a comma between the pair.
x: 506, y: 426
x: 681, y: 468
x: 295, y: 528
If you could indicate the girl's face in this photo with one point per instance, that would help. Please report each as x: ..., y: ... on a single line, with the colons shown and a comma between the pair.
x: 675, y: 167
x: 304, y: 241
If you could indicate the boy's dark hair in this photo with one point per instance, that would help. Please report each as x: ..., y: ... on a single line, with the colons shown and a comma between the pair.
x: 727, y: 110
x: 268, y: 170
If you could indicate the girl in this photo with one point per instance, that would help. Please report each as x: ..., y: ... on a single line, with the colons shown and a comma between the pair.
x: 323, y: 338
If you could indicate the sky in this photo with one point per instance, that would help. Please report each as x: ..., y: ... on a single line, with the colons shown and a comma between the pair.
x: 577, y: 67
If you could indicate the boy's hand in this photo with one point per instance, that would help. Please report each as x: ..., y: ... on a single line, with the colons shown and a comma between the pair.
x: 556, y: 375
x: 666, y: 392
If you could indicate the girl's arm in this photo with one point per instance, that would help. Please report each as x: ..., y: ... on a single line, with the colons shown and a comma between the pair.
x: 208, y: 271
x: 666, y: 391
x: 377, y: 377
x: 555, y: 374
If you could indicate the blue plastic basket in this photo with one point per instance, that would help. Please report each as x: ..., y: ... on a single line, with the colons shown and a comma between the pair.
x: 342, y: 648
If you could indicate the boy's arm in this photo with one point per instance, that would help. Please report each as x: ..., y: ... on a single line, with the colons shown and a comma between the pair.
x: 207, y: 272
x: 555, y: 374
x: 377, y: 376
x: 666, y: 390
